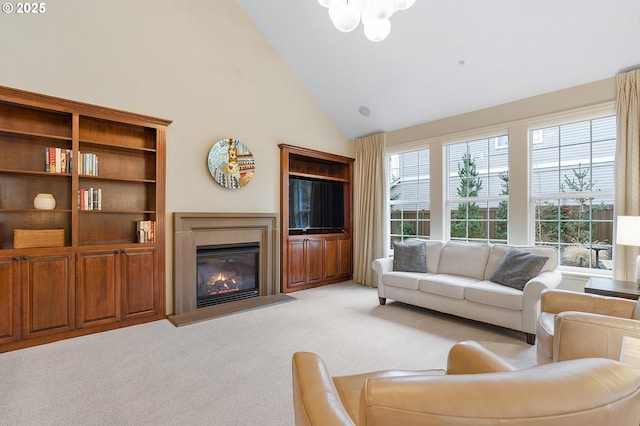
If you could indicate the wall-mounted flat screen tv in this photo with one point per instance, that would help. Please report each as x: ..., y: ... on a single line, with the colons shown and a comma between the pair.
x: 316, y: 206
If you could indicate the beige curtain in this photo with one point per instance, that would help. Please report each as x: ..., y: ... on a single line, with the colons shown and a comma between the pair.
x: 370, y: 204
x: 627, y: 165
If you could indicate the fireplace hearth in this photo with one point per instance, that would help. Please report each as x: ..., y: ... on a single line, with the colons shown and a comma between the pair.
x: 195, y: 233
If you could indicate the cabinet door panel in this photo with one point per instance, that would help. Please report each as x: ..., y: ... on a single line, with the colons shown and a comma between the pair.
x: 330, y: 258
x: 9, y: 299
x: 139, y: 282
x: 98, y: 288
x: 47, y: 294
x: 313, y: 259
x: 296, y: 265
x: 345, y: 257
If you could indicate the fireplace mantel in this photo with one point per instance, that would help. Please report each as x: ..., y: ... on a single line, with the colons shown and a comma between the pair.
x: 202, y: 229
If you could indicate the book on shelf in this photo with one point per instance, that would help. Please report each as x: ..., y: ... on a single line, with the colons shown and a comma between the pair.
x: 87, y: 164
x: 146, y: 231
x: 57, y: 160
x: 90, y: 199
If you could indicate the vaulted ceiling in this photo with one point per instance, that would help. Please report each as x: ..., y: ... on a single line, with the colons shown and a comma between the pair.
x: 447, y: 57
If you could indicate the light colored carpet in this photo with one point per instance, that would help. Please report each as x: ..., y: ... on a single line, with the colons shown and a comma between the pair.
x: 233, y: 370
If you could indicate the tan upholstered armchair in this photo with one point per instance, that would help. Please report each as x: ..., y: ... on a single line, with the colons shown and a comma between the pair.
x: 575, y: 325
x: 478, y: 388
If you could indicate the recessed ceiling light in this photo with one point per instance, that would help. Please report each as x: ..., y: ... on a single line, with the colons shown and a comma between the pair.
x: 364, y: 111
x: 461, y: 62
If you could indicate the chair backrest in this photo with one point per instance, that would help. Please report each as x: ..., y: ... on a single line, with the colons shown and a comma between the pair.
x: 586, y: 391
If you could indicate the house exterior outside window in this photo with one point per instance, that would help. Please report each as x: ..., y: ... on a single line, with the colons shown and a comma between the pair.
x: 478, y: 188
x: 409, y: 194
x: 572, y: 190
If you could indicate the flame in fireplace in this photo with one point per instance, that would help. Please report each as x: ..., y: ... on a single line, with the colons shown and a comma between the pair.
x: 221, y: 284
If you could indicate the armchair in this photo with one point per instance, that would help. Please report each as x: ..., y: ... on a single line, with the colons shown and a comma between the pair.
x: 478, y: 388
x: 575, y: 325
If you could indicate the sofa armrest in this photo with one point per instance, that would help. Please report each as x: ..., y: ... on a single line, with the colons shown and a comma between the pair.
x: 531, y: 297
x: 470, y: 357
x: 547, y: 279
x: 381, y: 266
x: 556, y: 301
x: 587, y: 335
x: 315, y: 398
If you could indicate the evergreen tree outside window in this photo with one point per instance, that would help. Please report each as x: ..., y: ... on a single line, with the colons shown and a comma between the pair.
x: 572, y: 189
x: 478, y: 198
x: 409, y: 194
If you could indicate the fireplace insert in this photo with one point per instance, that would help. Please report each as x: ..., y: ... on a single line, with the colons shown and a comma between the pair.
x: 227, y: 272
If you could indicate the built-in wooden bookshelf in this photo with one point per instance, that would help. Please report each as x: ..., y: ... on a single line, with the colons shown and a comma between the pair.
x: 101, y: 277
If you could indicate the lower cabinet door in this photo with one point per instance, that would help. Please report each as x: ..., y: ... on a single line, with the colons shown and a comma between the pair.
x: 330, y: 257
x: 140, y: 283
x: 9, y: 299
x: 98, y: 299
x: 345, y: 261
x: 47, y: 294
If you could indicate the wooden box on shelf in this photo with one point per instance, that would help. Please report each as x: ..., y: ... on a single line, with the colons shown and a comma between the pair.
x: 27, y: 238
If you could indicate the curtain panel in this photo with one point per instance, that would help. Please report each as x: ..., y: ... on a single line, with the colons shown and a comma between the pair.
x: 627, y: 165
x: 370, y: 232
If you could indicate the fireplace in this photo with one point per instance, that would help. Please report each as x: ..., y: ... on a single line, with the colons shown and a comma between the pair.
x: 251, y: 244
x: 226, y: 272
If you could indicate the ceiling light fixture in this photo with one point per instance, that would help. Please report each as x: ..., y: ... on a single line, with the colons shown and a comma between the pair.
x: 346, y: 15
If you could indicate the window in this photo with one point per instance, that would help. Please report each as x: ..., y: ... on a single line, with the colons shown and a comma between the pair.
x: 572, y: 188
x: 409, y: 193
x: 478, y: 189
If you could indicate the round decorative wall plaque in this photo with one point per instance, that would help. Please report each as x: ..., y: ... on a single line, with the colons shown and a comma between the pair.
x: 231, y: 164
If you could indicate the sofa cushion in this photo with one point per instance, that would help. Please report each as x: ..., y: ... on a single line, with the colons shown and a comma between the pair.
x: 408, y: 280
x: 410, y: 256
x: 517, y: 267
x: 446, y: 285
x: 434, y: 249
x: 464, y: 259
x: 492, y: 294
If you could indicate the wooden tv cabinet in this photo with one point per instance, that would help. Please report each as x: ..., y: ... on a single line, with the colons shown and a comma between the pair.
x: 312, y: 258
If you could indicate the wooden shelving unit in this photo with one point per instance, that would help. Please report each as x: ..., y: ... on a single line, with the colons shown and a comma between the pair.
x: 311, y: 258
x: 101, y: 277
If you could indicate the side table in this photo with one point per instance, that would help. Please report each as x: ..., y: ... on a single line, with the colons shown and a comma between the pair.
x: 613, y: 288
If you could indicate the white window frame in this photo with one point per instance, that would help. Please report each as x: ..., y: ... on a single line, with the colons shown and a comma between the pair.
x: 568, y: 119
x: 417, y: 201
x: 492, y: 138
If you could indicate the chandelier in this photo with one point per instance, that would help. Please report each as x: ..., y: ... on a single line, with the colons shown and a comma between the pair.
x: 374, y: 14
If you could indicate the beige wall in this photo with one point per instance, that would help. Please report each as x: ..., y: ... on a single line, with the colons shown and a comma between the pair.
x: 201, y: 63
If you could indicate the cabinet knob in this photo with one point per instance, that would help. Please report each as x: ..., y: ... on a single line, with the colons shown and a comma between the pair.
x: 16, y: 257
x: 25, y: 257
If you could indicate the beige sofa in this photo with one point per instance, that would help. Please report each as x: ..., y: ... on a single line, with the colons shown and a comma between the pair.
x: 478, y: 388
x: 457, y: 281
x: 580, y: 325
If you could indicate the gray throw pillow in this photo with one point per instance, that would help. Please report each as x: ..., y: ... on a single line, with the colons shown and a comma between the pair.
x: 636, y: 311
x: 410, y: 256
x: 517, y: 267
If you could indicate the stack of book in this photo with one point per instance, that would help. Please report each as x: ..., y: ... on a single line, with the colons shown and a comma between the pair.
x: 90, y: 199
x: 57, y: 160
x: 87, y: 164
x: 146, y: 231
